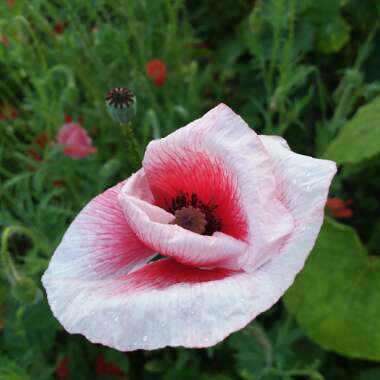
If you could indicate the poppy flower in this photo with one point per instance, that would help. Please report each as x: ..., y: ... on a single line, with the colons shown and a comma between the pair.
x: 156, y: 71
x: 41, y: 141
x: 68, y: 118
x: 8, y: 112
x: 339, y: 208
x: 62, y: 369
x: 58, y: 183
x: 59, y: 27
x: 208, y: 234
x: 106, y: 368
x: 76, y: 141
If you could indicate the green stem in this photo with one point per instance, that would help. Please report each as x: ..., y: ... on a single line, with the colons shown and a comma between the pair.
x: 9, y: 267
x: 132, y: 141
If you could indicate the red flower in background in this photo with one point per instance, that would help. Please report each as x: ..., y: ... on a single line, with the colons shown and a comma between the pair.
x: 156, y: 71
x: 106, y: 368
x: 62, y: 369
x: 57, y: 183
x: 76, y: 141
x: 338, y: 208
x: 59, y: 27
x: 41, y: 141
x: 11, y: 3
x: 68, y: 118
x: 4, y: 40
x: 7, y: 112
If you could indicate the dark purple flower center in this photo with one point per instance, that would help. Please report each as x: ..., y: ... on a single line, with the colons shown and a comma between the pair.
x: 194, y: 215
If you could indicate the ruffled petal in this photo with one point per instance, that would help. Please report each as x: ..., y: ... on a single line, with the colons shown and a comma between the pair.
x: 153, y: 226
x: 303, y: 185
x: 161, y: 304
x: 99, y: 242
x: 223, y: 161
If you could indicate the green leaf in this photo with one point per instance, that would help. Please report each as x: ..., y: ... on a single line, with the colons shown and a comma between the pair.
x: 117, y: 358
x: 254, y: 354
x: 359, y: 138
x: 215, y: 377
x: 336, y: 298
x: 369, y: 374
x: 9, y: 370
x: 332, y: 36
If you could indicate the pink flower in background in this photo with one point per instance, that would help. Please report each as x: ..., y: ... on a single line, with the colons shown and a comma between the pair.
x: 156, y: 71
x: 76, y: 141
x: 233, y: 216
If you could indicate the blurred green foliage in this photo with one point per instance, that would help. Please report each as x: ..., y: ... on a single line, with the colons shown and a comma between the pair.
x: 340, y: 312
x: 304, y: 69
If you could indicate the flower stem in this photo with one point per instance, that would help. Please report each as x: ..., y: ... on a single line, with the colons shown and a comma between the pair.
x: 132, y: 141
x: 9, y: 267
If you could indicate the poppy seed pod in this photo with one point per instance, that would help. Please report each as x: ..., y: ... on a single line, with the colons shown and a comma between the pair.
x: 121, y: 104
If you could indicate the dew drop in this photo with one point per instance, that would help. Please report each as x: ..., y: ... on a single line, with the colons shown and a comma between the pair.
x: 145, y: 338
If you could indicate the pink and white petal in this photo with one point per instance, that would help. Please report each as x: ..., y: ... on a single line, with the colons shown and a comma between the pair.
x: 303, y: 186
x: 99, y: 242
x: 165, y: 303
x: 153, y: 226
x: 223, y: 161
x: 161, y: 304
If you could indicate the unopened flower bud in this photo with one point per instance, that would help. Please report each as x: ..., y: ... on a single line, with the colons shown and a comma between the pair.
x: 121, y: 104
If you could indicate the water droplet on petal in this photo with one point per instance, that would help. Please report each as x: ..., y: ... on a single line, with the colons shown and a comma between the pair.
x: 145, y: 338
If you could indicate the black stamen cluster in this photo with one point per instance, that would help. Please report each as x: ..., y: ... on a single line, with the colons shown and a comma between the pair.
x: 186, y: 199
x: 120, y: 97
